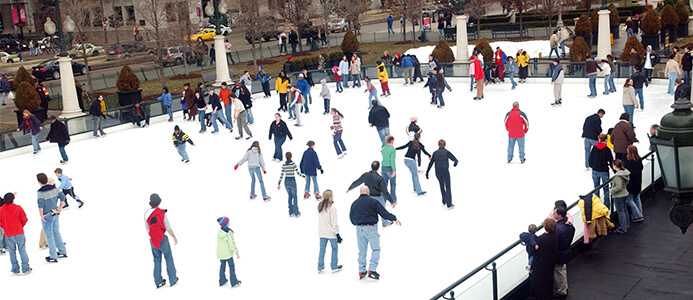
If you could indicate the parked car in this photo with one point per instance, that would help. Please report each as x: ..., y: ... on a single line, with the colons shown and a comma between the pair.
x: 202, y: 35
x: 128, y: 50
x: 337, y: 25
x: 76, y: 50
x: 265, y: 35
x: 224, y: 30
x: 11, y: 45
x: 8, y: 58
x: 50, y: 69
x: 174, y: 56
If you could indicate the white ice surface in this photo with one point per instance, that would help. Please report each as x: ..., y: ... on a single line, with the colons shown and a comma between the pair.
x: 109, y: 251
x: 533, y: 48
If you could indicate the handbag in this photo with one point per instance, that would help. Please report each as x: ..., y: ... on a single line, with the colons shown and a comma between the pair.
x: 11, y: 95
x: 339, y: 72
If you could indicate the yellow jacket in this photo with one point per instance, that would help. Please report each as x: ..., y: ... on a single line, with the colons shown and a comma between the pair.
x: 598, y: 209
x: 103, y: 107
x: 282, y: 85
x: 382, y: 73
x: 522, y: 59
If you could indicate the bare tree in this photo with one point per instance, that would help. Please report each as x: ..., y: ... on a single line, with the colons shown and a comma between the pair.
x: 154, y: 14
x: 116, y: 20
x: 551, y: 8
x: 297, y: 12
x: 324, y: 10
x: 254, y: 19
x: 351, y: 10
x: 410, y: 10
x: 81, y: 10
x: 179, y: 18
x: 519, y: 6
x: 477, y: 10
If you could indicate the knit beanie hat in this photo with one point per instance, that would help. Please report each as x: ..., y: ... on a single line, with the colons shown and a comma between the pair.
x: 154, y: 200
x: 223, y: 221
x: 176, y: 128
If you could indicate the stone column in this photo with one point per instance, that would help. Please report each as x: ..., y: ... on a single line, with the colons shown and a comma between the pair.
x: 68, y: 89
x: 690, y: 25
x: 604, y: 41
x: 462, y: 43
x: 222, y: 66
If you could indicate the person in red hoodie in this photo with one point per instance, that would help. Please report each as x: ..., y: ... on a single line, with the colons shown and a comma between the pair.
x: 12, y: 221
x: 478, y: 72
x: 517, y: 124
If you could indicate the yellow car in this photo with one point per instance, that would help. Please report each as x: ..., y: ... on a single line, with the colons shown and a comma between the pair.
x: 203, y: 35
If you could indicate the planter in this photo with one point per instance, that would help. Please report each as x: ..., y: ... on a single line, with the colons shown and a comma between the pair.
x: 651, y: 40
x: 126, y: 99
x: 663, y: 35
x: 682, y: 30
x: 595, y: 38
x: 614, y: 30
x: 672, y: 34
x: 36, y: 112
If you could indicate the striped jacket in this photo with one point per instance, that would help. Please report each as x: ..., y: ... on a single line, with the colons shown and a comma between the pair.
x: 289, y: 170
x: 336, y: 124
x: 181, y: 138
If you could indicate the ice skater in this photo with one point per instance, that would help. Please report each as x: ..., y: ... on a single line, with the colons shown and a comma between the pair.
x: 239, y: 116
x: 376, y: 187
x: 202, y: 112
x: 325, y: 95
x: 255, y: 164
x: 431, y: 84
x: 372, y: 92
x: 414, y: 149
x: 557, y: 77
x: 157, y: 225
x: 217, y: 112
x: 49, y: 197
x: 261, y: 74
x: 31, y: 124
x: 338, y: 78
x: 413, y: 128
x: 337, y: 133
x: 389, y: 170
x: 512, y: 70
x: 290, y: 171
x: 59, y: 134
x: 13, y: 219
x: 280, y: 130
x: 226, y: 248
x: 281, y: 86
x: 383, y: 78
x: 328, y: 230
x: 379, y: 118
x: 67, y: 188
x: 179, y: 140
x: 440, y: 158
x: 517, y: 125
x: 304, y: 87
x: 309, y: 166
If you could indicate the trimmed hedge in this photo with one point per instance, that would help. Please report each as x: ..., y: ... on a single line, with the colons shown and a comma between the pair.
x: 682, y: 12
x: 443, y: 53
x: 579, y: 50
x: 613, y: 14
x: 350, y: 43
x: 594, y: 19
x: 651, y: 23
x: 582, y: 27
x: 127, y: 80
x: 669, y: 18
x: 486, y: 49
x: 23, y: 75
x: 632, y: 42
x: 26, y: 97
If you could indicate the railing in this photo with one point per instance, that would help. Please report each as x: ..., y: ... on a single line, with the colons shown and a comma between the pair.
x: 511, y: 261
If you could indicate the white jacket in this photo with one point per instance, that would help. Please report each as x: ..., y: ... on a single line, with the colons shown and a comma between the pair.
x: 327, y: 223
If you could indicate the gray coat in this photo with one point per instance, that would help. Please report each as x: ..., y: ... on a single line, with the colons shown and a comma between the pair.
x: 325, y: 92
x: 254, y: 159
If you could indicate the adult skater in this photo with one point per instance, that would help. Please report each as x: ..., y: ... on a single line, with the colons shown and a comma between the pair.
x: 630, y: 103
x: 500, y: 58
x: 408, y: 66
x: 328, y: 230
x: 217, y: 112
x: 414, y: 149
x: 440, y: 88
x: 265, y: 78
x: 67, y: 188
x: 344, y: 69
x: 380, y: 118
x: 247, y: 80
x: 557, y: 77
x: 389, y: 171
x: 308, y: 96
x: 189, y: 99
x: 639, y: 79
x: 295, y: 103
x: 372, y: 92
x: 239, y: 116
x: 139, y: 113
x: 304, y: 88
x: 310, y: 164
x: 281, y: 86
x: 634, y: 60
x: 606, y: 69
x: 31, y: 124
x: 280, y: 130
x: 167, y: 100
x: 651, y: 60
x: 58, y: 134
x: 337, y: 132
x: 383, y: 78
x: 590, y: 132
x: 553, y: 43
x: 226, y: 248
x: 477, y: 71
x: 325, y: 95
x: 431, y: 84
x: 255, y: 164
x: 376, y: 187
x: 565, y: 231
x: 202, y: 110
x: 355, y: 70
x: 224, y: 94
x: 522, y: 60
x: 673, y: 70
x: 601, y: 161
x: 417, y: 69
x: 179, y: 140
x: 623, y: 136
x: 290, y: 171
x: 157, y: 225
x: 364, y: 215
x: 49, y: 197
x: 591, y: 67
x: 12, y: 220
x: 440, y: 158
x: 517, y: 125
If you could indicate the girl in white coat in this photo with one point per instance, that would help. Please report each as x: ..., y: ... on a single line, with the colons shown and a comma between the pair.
x: 328, y: 230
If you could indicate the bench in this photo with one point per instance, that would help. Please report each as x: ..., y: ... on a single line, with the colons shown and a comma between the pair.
x: 507, y: 30
x: 450, y: 34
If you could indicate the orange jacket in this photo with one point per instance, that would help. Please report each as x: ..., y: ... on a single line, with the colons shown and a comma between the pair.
x: 224, y: 95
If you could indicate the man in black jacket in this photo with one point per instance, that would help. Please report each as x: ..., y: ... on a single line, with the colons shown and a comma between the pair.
x: 440, y: 159
x: 97, y: 116
x: 638, y: 80
x: 59, y: 134
x: 687, y: 65
x: 139, y: 113
x: 377, y: 187
x: 288, y: 66
x: 293, y: 40
x: 364, y: 215
x: 380, y: 118
x: 565, y: 239
x: 590, y: 131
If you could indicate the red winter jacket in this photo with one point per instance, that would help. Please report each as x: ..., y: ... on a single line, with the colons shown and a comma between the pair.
x: 516, y: 123
x: 12, y: 219
x: 478, y: 70
x: 157, y: 229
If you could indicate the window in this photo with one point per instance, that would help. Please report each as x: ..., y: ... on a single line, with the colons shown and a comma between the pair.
x: 118, y: 15
x: 171, y: 13
x: 98, y: 17
x: 131, y: 14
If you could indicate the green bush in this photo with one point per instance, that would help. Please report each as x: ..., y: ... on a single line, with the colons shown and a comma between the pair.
x: 651, y: 23
x: 669, y: 17
x: 613, y: 15
x: 26, y: 97
x: 579, y: 50
x: 22, y: 75
x: 594, y: 20
x: 334, y: 55
x: 682, y: 12
x: 486, y: 50
x: 443, y: 53
x: 350, y: 43
x: 582, y: 27
x: 632, y: 42
x: 127, y: 80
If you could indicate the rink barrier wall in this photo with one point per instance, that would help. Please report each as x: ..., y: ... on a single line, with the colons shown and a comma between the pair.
x: 507, y: 273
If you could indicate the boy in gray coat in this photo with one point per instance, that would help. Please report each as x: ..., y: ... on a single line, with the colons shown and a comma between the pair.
x: 325, y: 94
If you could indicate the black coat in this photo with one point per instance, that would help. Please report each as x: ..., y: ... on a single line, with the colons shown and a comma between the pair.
x: 635, y: 167
x: 638, y: 80
x: 79, y: 98
x: 600, y: 160
x: 247, y: 102
x: 95, y: 109
x: 293, y: 37
x: 58, y: 134
x: 592, y: 127
x: 687, y: 62
x: 565, y: 239
x: 544, y: 262
x: 379, y: 117
x: 279, y: 130
x: 654, y: 58
x: 144, y: 110
x: 440, y: 159
x: 375, y: 183
x: 287, y: 67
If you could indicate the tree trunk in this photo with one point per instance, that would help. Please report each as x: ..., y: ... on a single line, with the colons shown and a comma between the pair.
x: 252, y: 51
x: 261, y: 55
x: 404, y: 31
x: 300, y: 44
x: 413, y: 32
x: 327, y: 35
x: 86, y: 65
x: 478, y: 27
x: 522, y: 32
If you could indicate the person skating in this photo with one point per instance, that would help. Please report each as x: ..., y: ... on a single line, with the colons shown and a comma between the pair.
x: 408, y: 66
x: 167, y: 100
x: 431, y: 84
x: 500, y: 59
x: 517, y: 125
x: 255, y: 164
x: 308, y: 96
x: 557, y: 77
x: 59, y: 134
x: 189, y: 99
x: 31, y: 124
x: 337, y: 133
x: 344, y: 69
x: 325, y: 95
x: 290, y: 171
x: 673, y: 70
x: 224, y: 93
x: 651, y: 60
x: 434, y: 63
x: 390, y: 20
x: 12, y: 222
x: 338, y: 78
x: 639, y: 79
x: 413, y: 128
x: 606, y: 68
x: 295, y: 103
x: 634, y: 60
x: 389, y: 171
x: 328, y: 230
x: 612, y: 67
x: 280, y: 130
x: 226, y: 249
x: 553, y: 43
x: 376, y: 186
x: 239, y: 116
x: 590, y: 132
x: 512, y: 70
x: 202, y: 111
x: 218, y: 112
x: 601, y: 160
x: 265, y: 78
x: 49, y: 197
x: 355, y: 70
x: 630, y: 103
x: 522, y: 60
x: 440, y: 88
x: 372, y: 92
x: 304, y: 87
x: 281, y: 86
x: 414, y: 149
x: 157, y: 225
x: 477, y: 71
x: 140, y: 113
x: 379, y: 118
x: 309, y: 166
x: 179, y: 140
x: 417, y: 69
x: 383, y: 78
x: 67, y: 188
x: 364, y: 215
x: 591, y: 67
x: 440, y: 158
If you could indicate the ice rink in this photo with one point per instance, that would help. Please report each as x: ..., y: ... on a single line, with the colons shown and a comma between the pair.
x: 108, y: 246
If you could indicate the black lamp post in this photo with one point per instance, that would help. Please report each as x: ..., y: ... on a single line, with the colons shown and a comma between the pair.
x: 69, y: 26
x: 673, y: 143
x: 215, y: 11
x: 604, y: 5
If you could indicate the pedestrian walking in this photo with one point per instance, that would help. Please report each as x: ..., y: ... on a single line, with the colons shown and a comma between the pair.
x: 97, y: 116
x: 522, y: 60
x: 49, y: 197
x: 440, y: 158
x: 328, y: 230
x: 212, y: 55
x: 229, y: 56
x: 325, y: 95
x: 31, y: 124
x: 590, y: 132
x: 5, y: 86
x: 517, y: 125
x: 179, y: 140
x: 226, y: 249
x: 630, y: 103
x: 377, y: 188
x: 279, y: 129
x: 239, y: 116
x: 372, y: 93
x: 293, y: 40
x: 281, y: 86
x: 290, y: 171
x: 337, y: 133
x: 383, y: 78
x: 157, y: 224
x: 67, y: 188
x: 379, y: 118
x: 591, y: 71
x: 12, y: 222
x: 255, y: 164
x: 309, y: 165
x: 59, y: 134
x: 281, y: 40
x: 265, y: 78
x: 390, y: 20
x: 601, y: 161
x: 557, y: 76
x: 414, y: 149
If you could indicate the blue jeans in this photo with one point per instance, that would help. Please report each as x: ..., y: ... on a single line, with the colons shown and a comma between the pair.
x: 35, y: 142
x: 623, y: 218
x: 339, y: 86
x: 165, y: 250
x: 316, y: 189
x: 511, y: 147
x: 439, y: 97
x: 305, y: 104
x: 227, y: 112
x: 291, y: 111
x: 612, y: 85
x: 687, y: 77
x: 631, y: 70
x: 599, y: 178
x: 383, y: 202
x: 633, y: 202
x: 201, y: 116
x: 552, y: 51
x: 51, y: 230
x: 389, y: 29
x: 62, y: 153
x: 232, y: 272
x: 278, y: 142
x: 629, y: 32
x: 593, y: 84
x: 356, y: 80
x: 471, y: 82
x: 672, y: 86
x: 17, y: 243
x: 249, y: 116
x: 345, y: 79
x: 512, y: 79
x: 373, y: 94
x: 562, y: 45
x: 638, y: 92
x: 327, y: 105
x: 392, y: 180
x: 606, y: 83
x: 630, y: 110
x: 589, y: 143
x: 290, y: 185
x: 229, y: 58
x: 411, y: 165
x: 255, y: 171
x: 321, y: 255
x: 339, y: 144
x: 4, y: 95
x: 169, y: 111
x: 182, y: 152
x: 383, y: 132
x: 220, y: 115
x: 368, y: 235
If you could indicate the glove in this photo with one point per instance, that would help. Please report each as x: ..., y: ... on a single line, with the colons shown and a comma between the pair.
x: 339, y: 239
x: 264, y: 172
x: 322, y: 171
x: 455, y: 164
x: 236, y: 167
x: 426, y: 175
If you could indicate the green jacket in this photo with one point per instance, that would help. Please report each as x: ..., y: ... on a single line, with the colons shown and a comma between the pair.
x: 226, y: 245
x: 389, y: 157
x: 618, y: 184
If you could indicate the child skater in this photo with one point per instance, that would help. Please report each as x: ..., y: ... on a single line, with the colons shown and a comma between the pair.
x: 67, y: 188
x: 337, y: 134
x: 529, y: 239
x: 325, y: 94
x: 295, y: 103
x: 179, y: 140
x: 431, y: 84
x: 255, y: 163
x: 328, y: 230
x: 290, y: 170
x: 226, y: 248
x: 184, y: 105
x: 338, y: 78
x: 373, y: 92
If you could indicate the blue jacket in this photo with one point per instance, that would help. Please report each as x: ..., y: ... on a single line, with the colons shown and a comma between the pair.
x: 48, y: 197
x: 166, y: 97
x: 310, y: 163
x: 389, y: 20
x: 407, y: 62
x: 303, y: 86
x: 64, y: 182
x: 513, y: 67
x: 556, y: 71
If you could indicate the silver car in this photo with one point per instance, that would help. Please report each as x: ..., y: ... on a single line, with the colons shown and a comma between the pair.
x: 173, y: 56
x: 337, y: 25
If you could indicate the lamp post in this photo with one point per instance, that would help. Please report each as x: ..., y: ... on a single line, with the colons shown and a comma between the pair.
x: 673, y: 143
x: 216, y: 18
x: 604, y: 5
x: 67, y: 79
